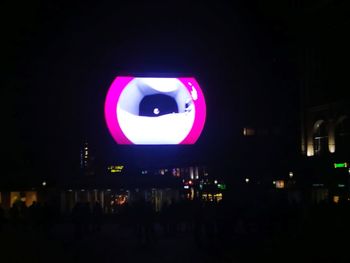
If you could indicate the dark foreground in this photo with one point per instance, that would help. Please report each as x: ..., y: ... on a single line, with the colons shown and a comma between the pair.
x: 223, y: 233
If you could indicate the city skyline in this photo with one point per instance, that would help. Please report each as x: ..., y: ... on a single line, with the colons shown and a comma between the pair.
x: 62, y: 58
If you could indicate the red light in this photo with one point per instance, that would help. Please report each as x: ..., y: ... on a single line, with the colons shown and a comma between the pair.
x: 190, y: 182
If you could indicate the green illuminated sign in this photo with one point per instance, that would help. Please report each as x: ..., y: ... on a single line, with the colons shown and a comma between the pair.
x: 340, y: 165
x: 222, y: 186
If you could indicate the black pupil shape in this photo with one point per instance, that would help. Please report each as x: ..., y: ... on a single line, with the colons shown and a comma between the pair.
x: 157, y: 105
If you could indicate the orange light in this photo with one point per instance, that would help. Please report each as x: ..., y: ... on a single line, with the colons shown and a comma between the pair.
x: 280, y: 184
x: 336, y: 199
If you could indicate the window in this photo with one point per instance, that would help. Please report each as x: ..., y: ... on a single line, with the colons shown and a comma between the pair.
x: 248, y: 132
x: 320, y: 137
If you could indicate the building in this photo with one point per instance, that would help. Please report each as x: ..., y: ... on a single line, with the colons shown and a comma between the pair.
x: 326, y: 129
x: 87, y: 160
x: 325, y: 144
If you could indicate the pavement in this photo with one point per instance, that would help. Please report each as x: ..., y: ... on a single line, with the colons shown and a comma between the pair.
x: 113, y: 243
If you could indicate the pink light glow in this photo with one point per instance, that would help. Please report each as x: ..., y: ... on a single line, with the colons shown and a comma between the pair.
x: 112, y: 102
x: 200, y: 107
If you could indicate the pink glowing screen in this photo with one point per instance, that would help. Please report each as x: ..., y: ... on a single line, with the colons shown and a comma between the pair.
x: 143, y: 110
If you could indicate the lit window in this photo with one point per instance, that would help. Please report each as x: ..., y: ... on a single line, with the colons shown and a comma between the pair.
x: 280, y: 184
x: 248, y: 131
x: 218, y: 197
x: 320, y: 137
x: 336, y: 199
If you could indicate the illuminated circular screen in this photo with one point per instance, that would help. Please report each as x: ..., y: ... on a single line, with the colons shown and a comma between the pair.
x: 155, y: 110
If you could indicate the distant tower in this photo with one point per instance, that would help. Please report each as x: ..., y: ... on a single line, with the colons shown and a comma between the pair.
x: 84, y: 156
x: 86, y: 159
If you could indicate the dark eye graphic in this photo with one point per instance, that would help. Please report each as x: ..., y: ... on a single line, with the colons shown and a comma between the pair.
x: 157, y: 105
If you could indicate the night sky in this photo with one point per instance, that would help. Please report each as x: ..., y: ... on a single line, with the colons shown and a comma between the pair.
x: 59, y: 59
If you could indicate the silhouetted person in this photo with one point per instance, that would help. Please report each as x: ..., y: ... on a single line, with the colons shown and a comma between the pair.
x: 86, y: 217
x: 47, y: 218
x: 168, y: 218
x: 77, y: 217
x: 97, y: 214
x: 33, y: 215
x: 198, y: 222
x: 2, y: 217
x: 144, y: 216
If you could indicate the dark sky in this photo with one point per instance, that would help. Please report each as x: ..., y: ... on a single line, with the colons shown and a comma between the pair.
x: 60, y: 57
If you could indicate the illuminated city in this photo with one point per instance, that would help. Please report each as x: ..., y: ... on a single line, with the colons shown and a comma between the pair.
x: 175, y: 131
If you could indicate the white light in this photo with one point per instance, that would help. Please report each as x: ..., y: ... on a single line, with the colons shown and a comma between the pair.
x: 194, y: 93
x: 165, y: 129
x: 156, y: 111
x: 215, y: 182
x: 44, y: 183
x: 310, y: 150
x: 290, y: 174
x: 247, y: 180
x: 162, y: 84
x: 186, y: 186
x: 274, y: 182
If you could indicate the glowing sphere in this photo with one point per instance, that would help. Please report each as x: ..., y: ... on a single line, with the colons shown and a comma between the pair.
x: 141, y: 110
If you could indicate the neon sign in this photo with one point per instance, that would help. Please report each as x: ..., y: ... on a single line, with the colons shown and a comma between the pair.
x: 340, y: 165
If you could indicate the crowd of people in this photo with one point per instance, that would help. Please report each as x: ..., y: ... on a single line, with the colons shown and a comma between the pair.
x: 37, y: 216
x: 242, y: 224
